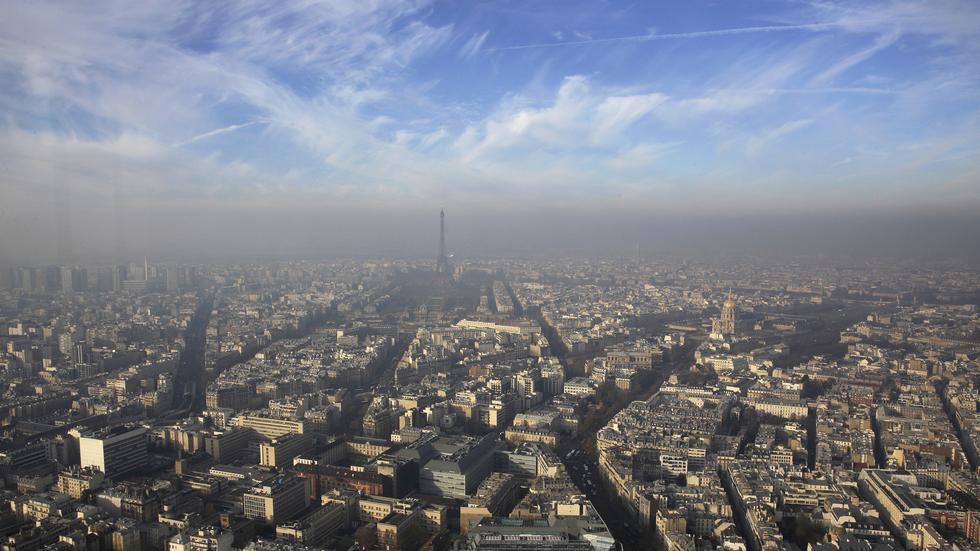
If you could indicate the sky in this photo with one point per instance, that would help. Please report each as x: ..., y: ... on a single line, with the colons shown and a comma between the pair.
x: 337, y: 127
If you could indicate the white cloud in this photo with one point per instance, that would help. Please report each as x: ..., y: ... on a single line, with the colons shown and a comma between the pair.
x: 167, y: 70
x: 332, y: 84
x: 556, y: 125
x: 580, y: 117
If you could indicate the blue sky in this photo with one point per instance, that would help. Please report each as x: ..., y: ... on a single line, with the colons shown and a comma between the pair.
x: 688, y: 106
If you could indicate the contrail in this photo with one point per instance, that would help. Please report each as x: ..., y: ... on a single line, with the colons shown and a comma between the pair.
x: 670, y: 36
x: 218, y: 132
x: 823, y: 90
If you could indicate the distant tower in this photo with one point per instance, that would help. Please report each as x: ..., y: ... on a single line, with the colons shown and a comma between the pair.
x: 442, y: 264
x: 727, y: 323
x: 146, y: 269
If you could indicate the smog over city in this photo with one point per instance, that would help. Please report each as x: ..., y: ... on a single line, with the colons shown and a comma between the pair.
x: 490, y: 275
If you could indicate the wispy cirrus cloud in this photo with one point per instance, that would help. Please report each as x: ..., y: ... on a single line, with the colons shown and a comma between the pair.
x: 755, y: 144
x: 650, y: 37
x: 616, y: 113
x: 406, y: 99
x: 473, y: 45
x: 882, y: 42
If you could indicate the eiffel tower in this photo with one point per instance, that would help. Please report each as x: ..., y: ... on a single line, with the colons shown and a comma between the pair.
x: 442, y: 264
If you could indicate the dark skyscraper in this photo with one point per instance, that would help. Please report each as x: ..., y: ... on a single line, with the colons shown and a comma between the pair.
x: 442, y: 264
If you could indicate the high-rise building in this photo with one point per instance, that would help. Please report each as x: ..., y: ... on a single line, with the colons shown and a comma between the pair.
x: 103, y: 279
x: 315, y: 527
x: 227, y: 445
x: 276, y: 500
x: 458, y: 466
x: 80, y: 352
x: 172, y: 278
x: 50, y: 278
x: 67, y: 281
x: 188, y: 276
x: 6, y: 278
x: 228, y: 396
x: 118, y: 276
x: 28, y: 280
x: 281, y: 451
x: 115, y: 451
x: 271, y: 427
x: 73, y: 280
